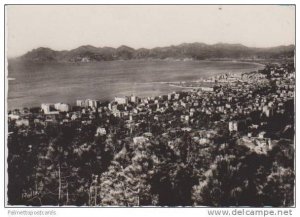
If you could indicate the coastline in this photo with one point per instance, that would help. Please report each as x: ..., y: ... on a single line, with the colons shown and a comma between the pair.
x: 156, y: 87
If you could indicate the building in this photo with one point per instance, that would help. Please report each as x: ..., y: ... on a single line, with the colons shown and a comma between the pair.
x: 268, y: 111
x: 45, y: 107
x: 177, y: 96
x: 87, y: 103
x: 257, y: 144
x: 22, y: 122
x: 62, y: 107
x: 121, y: 100
x: 233, y: 126
x: 139, y: 140
x: 80, y: 103
x: 134, y: 99
x: 74, y: 116
x: 208, y: 89
x: 262, y: 135
x: 91, y: 103
x: 13, y: 116
x: 49, y: 108
x: 100, y: 131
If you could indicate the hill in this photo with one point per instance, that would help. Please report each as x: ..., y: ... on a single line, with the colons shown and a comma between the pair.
x: 197, y: 51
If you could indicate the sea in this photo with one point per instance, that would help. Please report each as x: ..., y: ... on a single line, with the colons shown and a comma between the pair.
x: 33, y: 83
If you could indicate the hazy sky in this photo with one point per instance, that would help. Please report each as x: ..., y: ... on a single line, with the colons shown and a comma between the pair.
x: 67, y: 27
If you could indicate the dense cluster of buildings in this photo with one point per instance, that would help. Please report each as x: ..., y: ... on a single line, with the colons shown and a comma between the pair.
x: 241, y: 103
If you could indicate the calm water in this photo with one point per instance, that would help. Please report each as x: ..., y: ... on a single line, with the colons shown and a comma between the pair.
x: 36, y: 83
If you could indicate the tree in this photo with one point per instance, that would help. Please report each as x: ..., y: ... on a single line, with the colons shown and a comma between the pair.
x: 221, y: 184
x: 279, y: 188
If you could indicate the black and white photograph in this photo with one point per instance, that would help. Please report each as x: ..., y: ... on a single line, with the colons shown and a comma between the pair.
x: 150, y: 106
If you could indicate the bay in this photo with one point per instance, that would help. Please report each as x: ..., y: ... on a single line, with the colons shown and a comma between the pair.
x: 32, y: 83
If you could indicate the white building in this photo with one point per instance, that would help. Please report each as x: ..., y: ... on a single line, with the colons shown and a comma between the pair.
x: 139, y: 140
x: 100, y: 131
x: 134, y: 99
x: 80, y: 103
x: 74, y: 116
x: 24, y: 122
x: 48, y: 108
x: 91, y: 103
x: 87, y: 103
x: 268, y: 111
x: 62, y: 107
x: 170, y: 95
x: 177, y: 96
x: 45, y: 107
x: 233, y: 126
x: 121, y: 100
x: 262, y: 134
x: 13, y: 117
x: 208, y: 89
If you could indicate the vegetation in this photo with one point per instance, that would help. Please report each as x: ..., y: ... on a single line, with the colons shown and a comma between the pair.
x: 62, y: 167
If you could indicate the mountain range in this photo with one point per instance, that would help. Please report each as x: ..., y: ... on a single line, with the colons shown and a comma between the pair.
x: 197, y: 51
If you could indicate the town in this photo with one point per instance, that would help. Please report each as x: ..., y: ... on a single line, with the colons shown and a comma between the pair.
x: 253, y: 110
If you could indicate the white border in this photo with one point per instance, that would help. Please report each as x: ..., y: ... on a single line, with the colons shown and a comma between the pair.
x: 145, y: 212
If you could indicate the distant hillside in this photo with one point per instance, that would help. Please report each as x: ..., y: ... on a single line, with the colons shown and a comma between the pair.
x: 197, y: 51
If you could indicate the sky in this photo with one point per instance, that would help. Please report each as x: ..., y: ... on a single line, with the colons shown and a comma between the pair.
x: 65, y: 27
